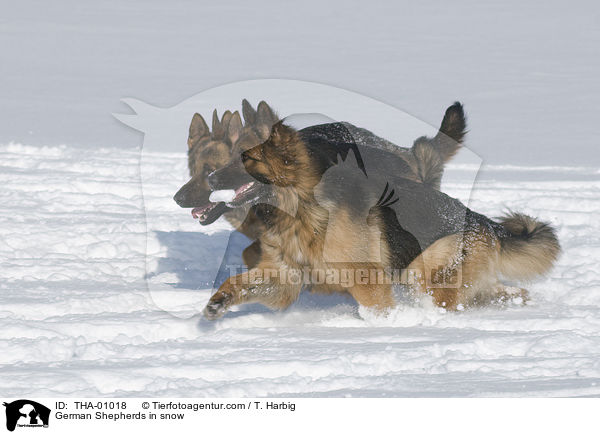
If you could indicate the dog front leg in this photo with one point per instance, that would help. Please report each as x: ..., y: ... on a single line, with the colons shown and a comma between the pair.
x: 251, y: 254
x: 262, y: 285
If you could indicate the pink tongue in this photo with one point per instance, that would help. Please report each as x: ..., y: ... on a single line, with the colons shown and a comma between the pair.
x: 243, y: 188
x: 199, y: 213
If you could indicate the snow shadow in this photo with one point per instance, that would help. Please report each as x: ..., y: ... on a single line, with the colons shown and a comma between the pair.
x: 196, y: 260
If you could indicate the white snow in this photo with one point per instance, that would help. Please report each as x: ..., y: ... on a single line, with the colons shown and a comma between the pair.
x: 79, y: 318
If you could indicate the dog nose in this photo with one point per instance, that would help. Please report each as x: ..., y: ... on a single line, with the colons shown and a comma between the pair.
x: 179, y: 198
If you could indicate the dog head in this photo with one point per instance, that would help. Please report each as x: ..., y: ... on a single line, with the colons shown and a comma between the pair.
x: 211, y: 151
x: 207, y: 153
x: 280, y: 160
x: 283, y: 161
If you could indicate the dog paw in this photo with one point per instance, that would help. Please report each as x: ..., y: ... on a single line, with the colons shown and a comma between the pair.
x: 217, y: 306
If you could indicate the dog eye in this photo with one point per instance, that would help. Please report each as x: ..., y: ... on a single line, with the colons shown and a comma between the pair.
x: 246, y: 157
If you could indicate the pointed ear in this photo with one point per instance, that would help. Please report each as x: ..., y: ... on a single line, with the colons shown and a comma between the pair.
x: 277, y: 129
x: 234, y: 129
x: 198, y: 129
x: 220, y: 132
x: 216, y: 124
x: 248, y: 112
x: 225, y: 121
x: 281, y: 132
x: 265, y: 114
x: 218, y: 128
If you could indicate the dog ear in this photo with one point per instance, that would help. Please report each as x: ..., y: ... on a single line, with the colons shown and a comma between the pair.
x: 198, y: 129
x: 281, y: 133
x: 216, y: 124
x: 265, y: 114
x: 219, y: 127
x: 225, y: 124
x: 277, y: 130
x: 234, y: 129
x: 248, y: 112
x: 220, y: 131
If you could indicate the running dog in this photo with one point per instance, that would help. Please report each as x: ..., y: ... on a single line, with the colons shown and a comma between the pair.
x: 332, y: 208
x: 423, y: 162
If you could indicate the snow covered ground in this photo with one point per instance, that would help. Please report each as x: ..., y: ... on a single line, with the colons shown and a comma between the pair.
x: 82, y: 315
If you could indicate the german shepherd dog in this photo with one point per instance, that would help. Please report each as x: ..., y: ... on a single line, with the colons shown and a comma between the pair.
x: 423, y: 163
x: 330, y: 217
x: 209, y: 151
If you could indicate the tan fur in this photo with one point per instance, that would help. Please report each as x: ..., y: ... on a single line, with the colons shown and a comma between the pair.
x: 251, y: 288
x: 378, y: 297
x: 361, y: 245
x: 244, y: 138
x: 299, y: 241
x: 427, y: 163
x: 428, y: 156
x: 458, y: 270
x: 474, y: 259
x: 532, y: 251
x: 209, y: 151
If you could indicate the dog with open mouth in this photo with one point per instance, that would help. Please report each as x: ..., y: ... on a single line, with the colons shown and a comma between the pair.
x: 423, y: 162
x: 335, y: 207
x: 211, y: 150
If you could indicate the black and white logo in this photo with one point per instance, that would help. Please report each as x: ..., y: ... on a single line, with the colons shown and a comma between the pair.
x: 27, y: 414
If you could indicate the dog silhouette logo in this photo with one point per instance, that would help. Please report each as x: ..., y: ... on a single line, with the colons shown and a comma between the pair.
x: 26, y: 413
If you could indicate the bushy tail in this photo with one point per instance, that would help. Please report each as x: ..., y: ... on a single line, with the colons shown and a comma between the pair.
x: 530, y: 249
x: 452, y: 132
x: 432, y: 153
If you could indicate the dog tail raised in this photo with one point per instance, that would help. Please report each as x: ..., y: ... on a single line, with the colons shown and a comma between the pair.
x: 452, y: 132
x: 529, y: 250
x: 432, y: 154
